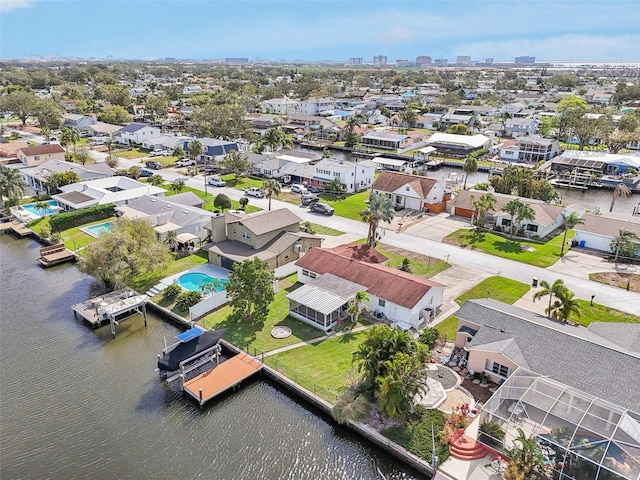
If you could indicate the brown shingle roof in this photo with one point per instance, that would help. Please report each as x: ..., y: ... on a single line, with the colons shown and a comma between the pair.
x: 42, y: 150
x: 391, y: 181
x: 609, y: 225
x: 263, y: 222
x: 384, y: 282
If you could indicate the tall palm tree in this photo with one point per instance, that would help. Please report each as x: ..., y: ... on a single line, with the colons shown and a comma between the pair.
x: 272, y: 187
x: 275, y: 138
x: 621, y: 190
x: 525, y: 212
x: 356, y: 305
x: 470, y: 166
x: 512, y: 207
x: 195, y: 150
x: 69, y: 136
x: 624, y: 244
x: 568, y: 222
x: 568, y: 306
x: 12, y: 186
x: 379, y: 209
x: 171, y: 240
x: 525, y: 459
x: 558, y: 288
x: 352, y: 122
x: 46, y: 132
x: 482, y: 206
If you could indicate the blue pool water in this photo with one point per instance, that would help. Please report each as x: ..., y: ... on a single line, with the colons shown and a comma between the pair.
x: 343, y: 113
x: 194, y: 281
x: 52, y: 207
x: 99, y: 229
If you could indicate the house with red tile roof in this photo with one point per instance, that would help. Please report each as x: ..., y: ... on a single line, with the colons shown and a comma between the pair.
x: 332, y: 277
x: 411, y: 191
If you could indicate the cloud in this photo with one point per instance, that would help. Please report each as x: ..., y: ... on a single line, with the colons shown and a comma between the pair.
x: 8, y: 5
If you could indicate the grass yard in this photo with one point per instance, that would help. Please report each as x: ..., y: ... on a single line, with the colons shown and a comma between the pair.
x: 324, y: 364
x: 498, y: 288
x: 208, y: 198
x: 259, y: 335
x: 601, y: 313
x: 73, y: 238
x: 132, y: 153
x: 420, y: 265
x: 242, y: 183
x: 349, y: 207
x: 538, y: 254
x: 322, y: 230
x: 142, y: 283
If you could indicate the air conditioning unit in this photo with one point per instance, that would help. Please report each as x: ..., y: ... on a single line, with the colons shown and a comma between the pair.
x: 297, y: 248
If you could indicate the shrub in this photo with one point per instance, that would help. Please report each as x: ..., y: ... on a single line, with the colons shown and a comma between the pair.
x: 492, y: 434
x: 171, y: 292
x: 45, y: 231
x: 188, y: 299
x: 65, y: 220
x: 55, y: 237
x: 429, y: 337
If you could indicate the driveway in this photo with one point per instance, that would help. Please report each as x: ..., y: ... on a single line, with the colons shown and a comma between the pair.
x: 581, y: 263
x: 436, y: 227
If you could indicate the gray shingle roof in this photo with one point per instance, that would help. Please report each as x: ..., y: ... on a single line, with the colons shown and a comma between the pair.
x: 572, y: 355
x: 626, y: 335
x: 132, y: 127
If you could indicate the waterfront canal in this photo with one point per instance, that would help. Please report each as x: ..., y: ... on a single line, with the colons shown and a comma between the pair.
x: 75, y: 403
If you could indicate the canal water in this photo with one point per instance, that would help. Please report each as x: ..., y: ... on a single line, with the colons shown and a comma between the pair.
x: 75, y: 403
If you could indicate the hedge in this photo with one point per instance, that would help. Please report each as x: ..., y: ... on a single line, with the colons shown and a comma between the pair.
x: 65, y: 220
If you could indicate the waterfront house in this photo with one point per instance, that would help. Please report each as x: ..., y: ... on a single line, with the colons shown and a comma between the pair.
x: 34, y: 156
x: 355, y: 176
x: 272, y: 236
x: 606, y: 169
x: 36, y: 177
x: 407, y: 301
x: 213, y: 147
x: 458, y: 144
x: 516, y: 127
x: 411, y: 191
x: 529, y: 149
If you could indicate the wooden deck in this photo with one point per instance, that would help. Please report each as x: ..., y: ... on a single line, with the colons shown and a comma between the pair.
x: 54, y: 255
x: 220, y: 379
x: 16, y: 227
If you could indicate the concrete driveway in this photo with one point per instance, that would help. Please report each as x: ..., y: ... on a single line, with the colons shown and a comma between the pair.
x: 581, y: 263
x: 437, y: 227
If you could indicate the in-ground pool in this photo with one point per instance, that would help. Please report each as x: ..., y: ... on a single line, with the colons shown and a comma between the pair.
x: 194, y: 281
x: 51, y: 208
x: 99, y: 229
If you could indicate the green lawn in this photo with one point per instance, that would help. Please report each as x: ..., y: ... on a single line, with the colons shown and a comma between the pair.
x: 601, y: 313
x: 259, y: 336
x: 322, y: 230
x: 324, y: 364
x: 73, y: 238
x: 242, y: 183
x: 132, y: 153
x: 498, y: 288
x: 142, y: 283
x: 208, y: 198
x: 349, y: 207
x: 420, y: 268
x: 540, y: 254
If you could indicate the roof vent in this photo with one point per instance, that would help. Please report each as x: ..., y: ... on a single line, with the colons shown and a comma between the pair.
x: 502, y: 330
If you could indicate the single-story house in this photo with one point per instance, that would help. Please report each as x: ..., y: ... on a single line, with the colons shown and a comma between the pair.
x: 598, y: 231
x: 386, y: 139
x: 458, y: 144
x: 213, y: 147
x: 117, y: 190
x: 101, y: 129
x: 272, y: 236
x: 136, y: 133
x: 79, y: 122
x: 36, y: 177
x: 411, y: 191
x: 406, y: 300
x: 165, y: 142
x: 34, y: 156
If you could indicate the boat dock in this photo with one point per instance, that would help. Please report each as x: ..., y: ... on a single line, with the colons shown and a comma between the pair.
x: 212, y: 383
x: 112, y: 307
x: 16, y: 227
x: 55, y: 254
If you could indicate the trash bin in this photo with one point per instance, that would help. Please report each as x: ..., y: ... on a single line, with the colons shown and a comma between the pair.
x: 534, y: 282
x: 582, y: 243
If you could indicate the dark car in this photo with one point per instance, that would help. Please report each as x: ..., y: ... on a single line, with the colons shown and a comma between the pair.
x: 145, y: 172
x: 322, y: 208
x: 308, y: 198
x: 314, y: 189
x: 153, y: 165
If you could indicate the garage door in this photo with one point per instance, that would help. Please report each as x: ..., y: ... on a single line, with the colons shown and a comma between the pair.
x: 463, y: 212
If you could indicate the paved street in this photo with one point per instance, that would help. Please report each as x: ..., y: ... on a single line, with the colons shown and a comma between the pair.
x: 425, y: 239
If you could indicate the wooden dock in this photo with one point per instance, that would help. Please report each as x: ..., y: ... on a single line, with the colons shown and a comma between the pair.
x: 55, y: 254
x: 112, y: 307
x: 227, y: 375
x: 16, y: 227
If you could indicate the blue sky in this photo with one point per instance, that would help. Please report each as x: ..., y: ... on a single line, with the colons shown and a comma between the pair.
x: 567, y: 30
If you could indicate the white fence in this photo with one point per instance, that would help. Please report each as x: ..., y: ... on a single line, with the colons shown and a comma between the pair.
x: 208, y: 304
x: 285, y: 270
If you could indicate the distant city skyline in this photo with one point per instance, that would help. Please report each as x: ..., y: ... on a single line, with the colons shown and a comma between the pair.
x: 315, y: 30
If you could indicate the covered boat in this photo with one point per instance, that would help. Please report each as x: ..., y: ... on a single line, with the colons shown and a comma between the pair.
x: 192, y: 345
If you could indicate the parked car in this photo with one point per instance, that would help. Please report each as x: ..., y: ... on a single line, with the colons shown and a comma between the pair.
x: 185, y: 162
x: 254, y: 192
x: 322, y: 208
x: 158, y: 152
x: 145, y: 172
x: 95, y: 141
x: 314, y: 189
x: 216, y: 181
x: 308, y: 198
x: 153, y: 165
x: 297, y: 188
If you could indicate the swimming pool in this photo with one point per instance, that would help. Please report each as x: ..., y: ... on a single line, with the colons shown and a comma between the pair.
x: 195, y: 280
x: 98, y: 229
x: 51, y: 208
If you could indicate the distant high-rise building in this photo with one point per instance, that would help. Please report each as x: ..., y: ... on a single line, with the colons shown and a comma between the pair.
x: 524, y: 60
x: 355, y: 61
x: 403, y: 62
x: 380, y: 60
x: 441, y: 62
x: 463, y: 60
x: 423, y: 60
x: 236, y: 61
x: 488, y: 61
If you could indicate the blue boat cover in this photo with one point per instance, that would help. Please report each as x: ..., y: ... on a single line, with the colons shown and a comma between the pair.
x: 190, y: 334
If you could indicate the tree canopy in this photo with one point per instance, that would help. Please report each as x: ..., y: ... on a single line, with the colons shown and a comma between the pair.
x: 251, y: 290
x: 378, y: 210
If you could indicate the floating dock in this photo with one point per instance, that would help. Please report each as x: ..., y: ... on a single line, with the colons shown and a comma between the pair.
x: 55, y: 254
x: 212, y: 383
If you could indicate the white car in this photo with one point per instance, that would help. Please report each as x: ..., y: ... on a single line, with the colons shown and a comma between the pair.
x: 297, y: 188
x: 216, y: 181
x: 185, y: 162
x: 254, y: 192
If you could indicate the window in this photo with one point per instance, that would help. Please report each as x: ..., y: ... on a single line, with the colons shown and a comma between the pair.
x: 498, y: 369
x: 381, y: 302
x: 286, y: 257
x: 406, y: 188
x: 307, y: 273
x: 245, y: 235
x: 531, y: 227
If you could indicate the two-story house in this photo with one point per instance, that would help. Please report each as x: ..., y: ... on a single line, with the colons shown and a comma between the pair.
x: 136, y: 134
x: 355, y: 176
x: 34, y: 156
x: 213, y: 147
x: 411, y: 191
x: 272, y: 236
x: 516, y: 127
x: 530, y: 149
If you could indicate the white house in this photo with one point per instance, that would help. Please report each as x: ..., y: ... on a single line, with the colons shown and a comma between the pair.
x: 411, y: 191
x: 355, y: 176
x: 598, y: 231
x: 136, y: 134
x: 36, y: 177
x: 332, y: 277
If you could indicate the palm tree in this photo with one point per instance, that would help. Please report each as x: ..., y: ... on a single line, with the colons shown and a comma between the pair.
x: 525, y: 212
x: 482, y: 206
x: 568, y: 306
x: 568, y: 222
x: 195, y: 150
x: 210, y: 287
x: 379, y: 209
x: 512, y: 207
x: 69, y: 136
x: 355, y: 305
x: 172, y: 240
x: 352, y: 122
x: 41, y: 208
x: 624, y: 244
x: 45, y: 132
x: 621, y: 190
x: 178, y: 186
x: 155, y: 180
x: 274, y: 139
x: 525, y: 459
x: 555, y: 290
x: 350, y: 405
x: 272, y: 187
x: 470, y: 166
x: 12, y: 186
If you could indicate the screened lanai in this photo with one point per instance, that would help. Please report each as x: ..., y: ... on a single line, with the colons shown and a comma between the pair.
x: 581, y: 437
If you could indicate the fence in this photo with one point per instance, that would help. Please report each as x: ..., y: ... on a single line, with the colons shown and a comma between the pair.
x: 208, y: 304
